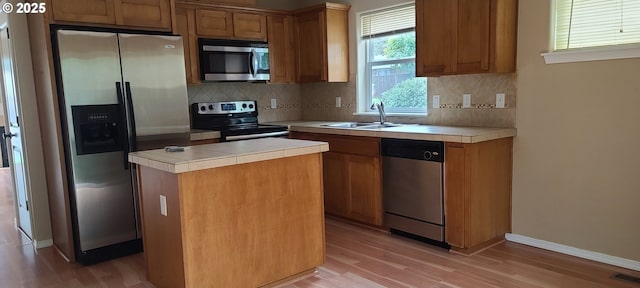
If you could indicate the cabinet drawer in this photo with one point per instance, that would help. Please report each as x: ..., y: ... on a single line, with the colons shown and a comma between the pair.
x: 355, y: 145
x: 367, y: 146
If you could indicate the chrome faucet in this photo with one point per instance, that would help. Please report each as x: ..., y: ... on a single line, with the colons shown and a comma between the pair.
x: 380, y: 108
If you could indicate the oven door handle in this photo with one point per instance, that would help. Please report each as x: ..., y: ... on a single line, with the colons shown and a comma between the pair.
x: 254, y: 136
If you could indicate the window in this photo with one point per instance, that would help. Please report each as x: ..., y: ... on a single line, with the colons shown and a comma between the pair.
x: 590, y: 23
x: 588, y: 30
x: 390, y: 50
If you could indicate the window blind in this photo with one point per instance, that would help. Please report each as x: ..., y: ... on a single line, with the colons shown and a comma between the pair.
x: 590, y: 23
x: 388, y: 20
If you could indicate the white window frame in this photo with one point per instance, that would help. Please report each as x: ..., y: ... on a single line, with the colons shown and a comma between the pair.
x: 623, y: 51
x: 364, y: 101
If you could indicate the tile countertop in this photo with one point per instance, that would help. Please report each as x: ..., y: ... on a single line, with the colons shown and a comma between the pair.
x: 197, y: 134
x: 407, y: 131
x: 208, y: 156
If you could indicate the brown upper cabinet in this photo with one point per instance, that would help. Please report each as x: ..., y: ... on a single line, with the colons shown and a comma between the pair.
x: 151, y: 14
x: 185, y: 25
x: 281, y: 47
x: 465, y: 36
x: 229, y: 24
x: 322, y: 52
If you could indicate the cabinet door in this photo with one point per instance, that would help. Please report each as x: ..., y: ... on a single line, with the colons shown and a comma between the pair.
x: 311, y: 47
x: 214, y: 23
x: 143, y: 13
x: 434, y: 38
x: 90, y: 11
x: 250, y: 26
x: 455, y: 195
x: 185, y: 22
x: 365, y: 189
x: 473, y: 26
x: 280, y: 49
x: 337, y: 45
x: 336, y: 194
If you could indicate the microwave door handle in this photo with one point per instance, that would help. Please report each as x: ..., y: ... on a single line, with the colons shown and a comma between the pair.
x: 250, y: 63
x: 254, y: 62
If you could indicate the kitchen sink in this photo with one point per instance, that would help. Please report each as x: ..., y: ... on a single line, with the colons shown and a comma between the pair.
x: 362, y: 125
x: 348, y: 125
x: 377, y: 126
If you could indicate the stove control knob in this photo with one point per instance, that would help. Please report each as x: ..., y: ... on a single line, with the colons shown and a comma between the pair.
x: 203, y: 108
x: 244, y: 105
x: 210, y: 107
x: 250, y: 106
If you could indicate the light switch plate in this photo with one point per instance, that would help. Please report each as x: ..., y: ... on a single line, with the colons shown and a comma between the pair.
x: 338, y: 102
x: 163, y: 205
x: 500, y: 100
x: 436, y: 102
x: 274, y: 103
x: 466, y: 101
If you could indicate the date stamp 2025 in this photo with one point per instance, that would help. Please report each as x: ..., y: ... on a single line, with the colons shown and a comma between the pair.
x: 24, y: 8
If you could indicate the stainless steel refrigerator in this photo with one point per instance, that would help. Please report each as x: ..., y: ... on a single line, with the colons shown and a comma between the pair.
x: 119, y: 93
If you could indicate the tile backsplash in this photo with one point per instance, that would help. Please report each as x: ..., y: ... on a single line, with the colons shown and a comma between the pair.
x: 316, y: 101
x: 287, y: 97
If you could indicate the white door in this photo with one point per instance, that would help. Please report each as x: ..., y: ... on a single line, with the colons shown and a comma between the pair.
x: 13, y: 133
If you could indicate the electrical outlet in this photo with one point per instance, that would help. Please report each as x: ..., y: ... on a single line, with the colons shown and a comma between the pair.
x: 500, y: 100
x: 466, y: 101
x: 274, y: 103
x: 338, y: 102
x: 436, y: 101
x: 163, y: 205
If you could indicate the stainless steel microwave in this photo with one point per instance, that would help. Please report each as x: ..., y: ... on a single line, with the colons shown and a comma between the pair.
x: 233, y: 60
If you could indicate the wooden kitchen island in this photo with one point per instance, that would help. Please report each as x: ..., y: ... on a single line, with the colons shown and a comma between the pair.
x: 238, y: 214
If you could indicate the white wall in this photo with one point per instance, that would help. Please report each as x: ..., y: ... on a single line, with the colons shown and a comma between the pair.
x: 576, y: 178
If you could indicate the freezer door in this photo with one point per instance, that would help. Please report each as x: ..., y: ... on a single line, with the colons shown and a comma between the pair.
x: 102, y: 193
x: 155, y: 82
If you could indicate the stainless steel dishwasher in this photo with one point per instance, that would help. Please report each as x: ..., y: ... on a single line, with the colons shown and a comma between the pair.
x: 413, y: 187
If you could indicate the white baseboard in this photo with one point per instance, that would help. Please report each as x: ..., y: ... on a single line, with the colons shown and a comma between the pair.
x: 42, y: 243
x: 581, y: 253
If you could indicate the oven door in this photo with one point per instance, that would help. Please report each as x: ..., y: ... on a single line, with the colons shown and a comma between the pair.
x: 230, y: 63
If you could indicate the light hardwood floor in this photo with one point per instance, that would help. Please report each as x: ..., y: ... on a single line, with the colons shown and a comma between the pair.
x: 356, y: 257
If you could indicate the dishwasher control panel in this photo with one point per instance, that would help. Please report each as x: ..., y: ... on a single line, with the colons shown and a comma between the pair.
x: 413, y: 149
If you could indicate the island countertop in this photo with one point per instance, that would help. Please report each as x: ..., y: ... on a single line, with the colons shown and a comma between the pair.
x: 208, y: 156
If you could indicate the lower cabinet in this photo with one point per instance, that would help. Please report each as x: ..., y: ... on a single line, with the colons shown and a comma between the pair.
x: 351, y: 174
x: 477, y: 193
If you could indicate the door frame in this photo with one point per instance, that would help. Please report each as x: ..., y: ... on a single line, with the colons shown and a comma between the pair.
x: 36, y: 185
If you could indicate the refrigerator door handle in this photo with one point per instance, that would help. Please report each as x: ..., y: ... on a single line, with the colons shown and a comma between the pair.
x: 123, y: 128
x: 132, y: 123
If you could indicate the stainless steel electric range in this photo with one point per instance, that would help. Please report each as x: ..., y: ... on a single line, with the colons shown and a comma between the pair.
x: 236, y: 120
